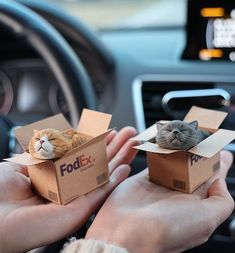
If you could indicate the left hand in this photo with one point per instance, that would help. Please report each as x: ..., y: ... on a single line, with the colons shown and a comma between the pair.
x: 27, y: 221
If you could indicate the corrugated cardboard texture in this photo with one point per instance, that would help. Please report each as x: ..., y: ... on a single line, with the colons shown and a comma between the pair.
x: 25, y: 133
x: 209, y: 147
x: 93, y: 123
x: 214, y: 143
x: 82, y: 171
x: 181, y: 171
x: 200, y: 169
x: 169, y: 170
x: 208, y: 119
x: 43, y: 178
x: 146, y: 135
x: 24, y: 159
x: 88, y: 162
x: 90, y: 142
x: 173, y: 168
x: 155, y: 148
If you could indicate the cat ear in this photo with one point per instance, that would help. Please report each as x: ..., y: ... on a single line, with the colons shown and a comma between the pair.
x: 69, y: 133
x: 159, y: 125
x: 194, y: 124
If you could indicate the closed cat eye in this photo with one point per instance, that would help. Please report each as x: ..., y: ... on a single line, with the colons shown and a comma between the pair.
x: 183, y: 128
x: 52, y: 139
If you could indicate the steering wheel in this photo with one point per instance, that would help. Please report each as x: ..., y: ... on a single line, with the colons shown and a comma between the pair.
x: 76, y: 33
x: 55, y: 51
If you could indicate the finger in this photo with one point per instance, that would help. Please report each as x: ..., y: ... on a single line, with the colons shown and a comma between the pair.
x: 124, y: 156
x: 15, y: 167
x: 119, y: 140
x: 110, y: 136
x: 23, y: 170
x: 226, y: 160
x: 65, y: 219
x: 219, y: 203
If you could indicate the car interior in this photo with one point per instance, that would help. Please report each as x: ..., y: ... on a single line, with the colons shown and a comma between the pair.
x: 153, y: 64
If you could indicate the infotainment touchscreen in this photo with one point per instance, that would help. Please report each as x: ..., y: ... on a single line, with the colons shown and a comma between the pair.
x: 210, y: 30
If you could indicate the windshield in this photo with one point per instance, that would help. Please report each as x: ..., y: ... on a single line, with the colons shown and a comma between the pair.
x: 127, y: 14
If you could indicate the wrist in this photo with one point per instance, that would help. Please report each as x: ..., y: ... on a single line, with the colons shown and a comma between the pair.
x: 109, y: 238
x: 120, y: 239
x: 92, y: 246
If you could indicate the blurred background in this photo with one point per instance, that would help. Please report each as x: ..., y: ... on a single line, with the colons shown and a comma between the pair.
x: 110, y: 14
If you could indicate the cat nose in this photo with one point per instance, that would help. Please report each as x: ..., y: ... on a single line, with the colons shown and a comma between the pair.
x: 175, y: 132
x: 42, y: 141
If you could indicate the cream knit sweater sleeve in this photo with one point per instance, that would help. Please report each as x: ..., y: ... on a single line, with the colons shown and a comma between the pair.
x: 91, y: 246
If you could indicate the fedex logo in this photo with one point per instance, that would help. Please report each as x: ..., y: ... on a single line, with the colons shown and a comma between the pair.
x: 80, y: 161
x: 195, y: 159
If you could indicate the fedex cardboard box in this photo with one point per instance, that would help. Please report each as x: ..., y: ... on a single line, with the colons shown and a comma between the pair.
x: 80, y: 170
x: 186, y: 170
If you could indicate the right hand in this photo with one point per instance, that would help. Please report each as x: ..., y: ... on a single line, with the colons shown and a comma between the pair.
x: 146, y: 218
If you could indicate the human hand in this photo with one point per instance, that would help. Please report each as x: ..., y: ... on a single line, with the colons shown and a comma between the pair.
x: 27, y: 221
x: 146, y: 218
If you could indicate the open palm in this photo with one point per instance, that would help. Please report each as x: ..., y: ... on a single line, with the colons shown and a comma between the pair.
x: 28, y: 221
x: 147, y: 218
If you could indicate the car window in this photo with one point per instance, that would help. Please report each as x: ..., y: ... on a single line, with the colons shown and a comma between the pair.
x: 127, y: 14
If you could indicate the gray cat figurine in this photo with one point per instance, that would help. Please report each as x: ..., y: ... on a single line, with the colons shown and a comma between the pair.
x: 179, y: 135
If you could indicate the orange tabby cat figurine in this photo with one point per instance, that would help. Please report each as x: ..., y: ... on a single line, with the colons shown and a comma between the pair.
x: 51, y: 143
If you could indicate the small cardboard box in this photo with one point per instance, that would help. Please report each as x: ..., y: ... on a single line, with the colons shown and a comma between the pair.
x: 80, y: 170
x: 186, y: 170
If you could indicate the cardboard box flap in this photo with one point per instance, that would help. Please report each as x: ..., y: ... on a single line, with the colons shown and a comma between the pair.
x: 96, y: 139
x: 25, y: 133
x: 154, y: 148
x: 25, y: 159
x: 93, y: 123
x: 147, y: 134
x: 214, y: 143
x: 209, y: 119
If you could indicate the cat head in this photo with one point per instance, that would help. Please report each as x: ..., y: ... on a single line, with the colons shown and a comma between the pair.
x: 177, y: 134
x: 50, y: 143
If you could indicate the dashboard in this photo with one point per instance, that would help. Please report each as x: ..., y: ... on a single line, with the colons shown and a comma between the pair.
x: 30, y: 92
x: 210, y: 30
x: 153, y: 77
